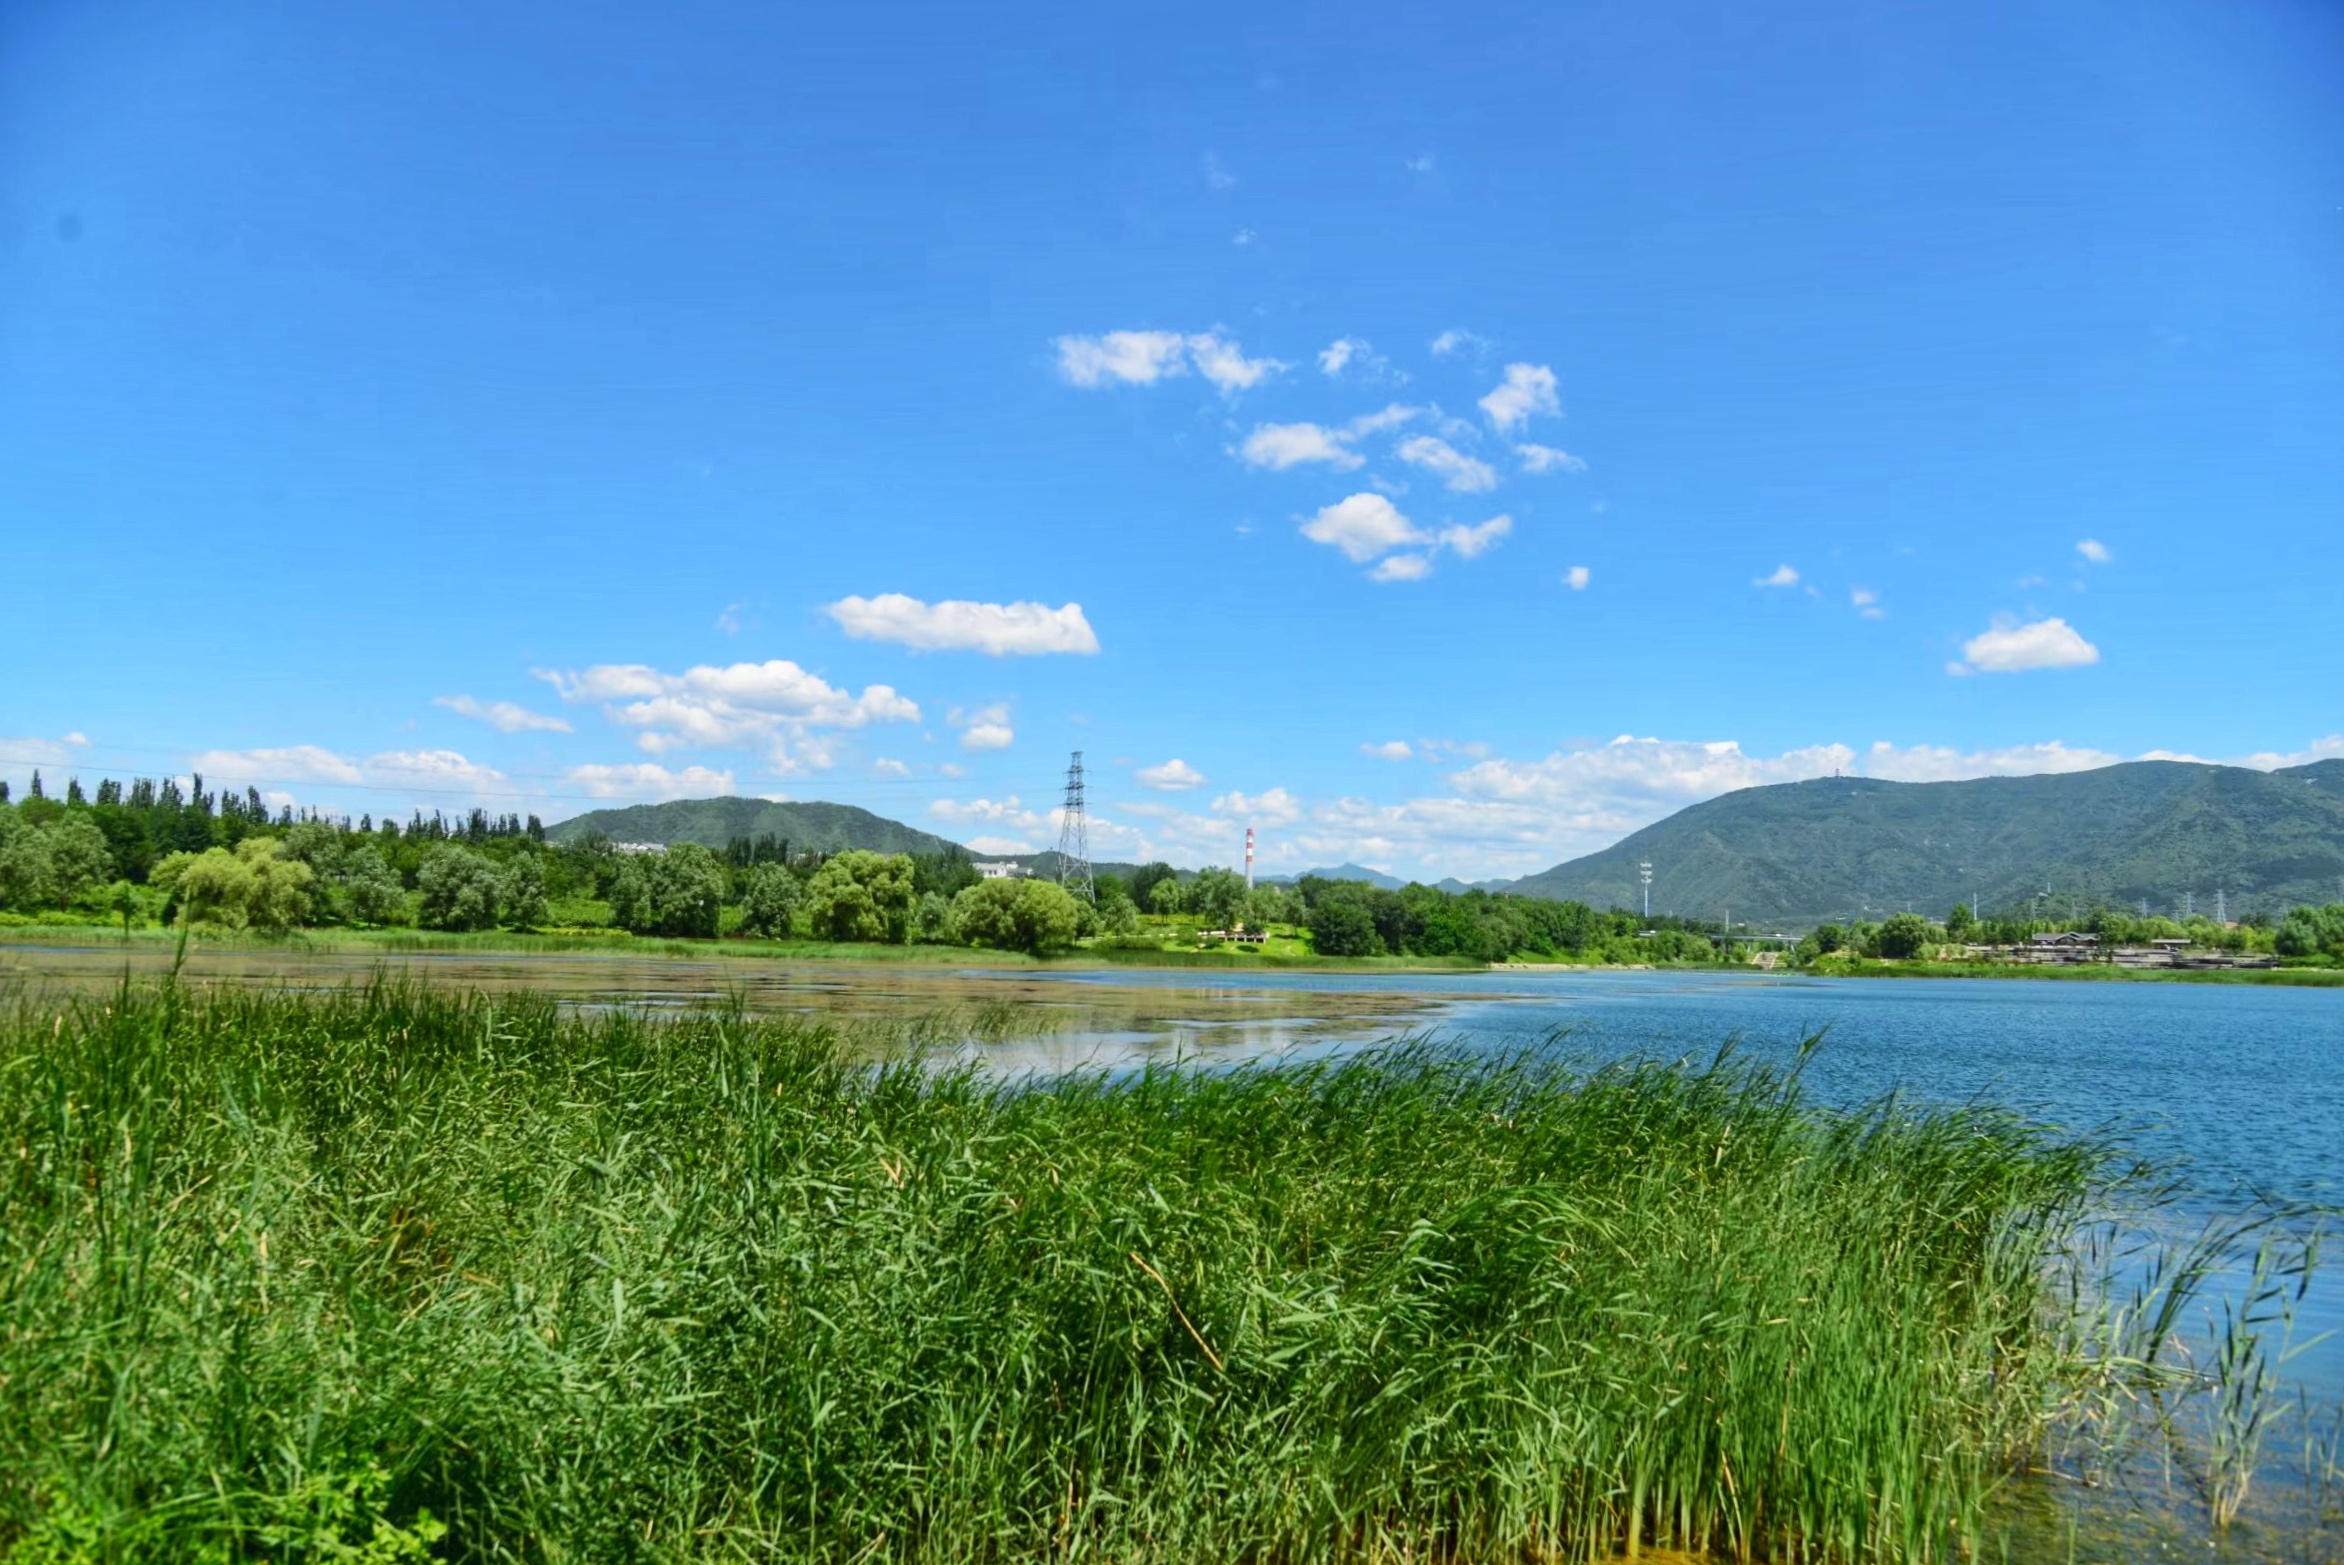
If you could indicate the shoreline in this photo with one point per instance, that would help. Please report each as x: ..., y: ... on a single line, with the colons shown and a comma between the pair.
x: 410, y: 942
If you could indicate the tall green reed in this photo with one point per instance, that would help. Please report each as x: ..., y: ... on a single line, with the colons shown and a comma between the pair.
x: 295, y: 1277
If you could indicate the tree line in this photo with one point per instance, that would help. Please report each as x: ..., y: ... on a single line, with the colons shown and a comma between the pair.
x: 156, y: 852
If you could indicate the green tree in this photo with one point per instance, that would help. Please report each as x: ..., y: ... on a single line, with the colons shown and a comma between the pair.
x: 1167, y: 895
x: 932, y: 922
x: 250, y: 886
x: 1145, y: 879
x: 1266, y: 905
x: 1901, y: 936
x: 1018, y: 915
x: 769, y: 902
x: 1118, y: 916
x: 1344, y: 926
x: 859, y: 895
x: 1958, y: 921
x: 459, y: 889
x: 687, y: 891
x: 1215, y: 896
x: 371, y: 893
x: 521, y: 892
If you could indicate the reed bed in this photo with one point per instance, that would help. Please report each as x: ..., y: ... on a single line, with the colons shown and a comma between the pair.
x: 389, y: 1273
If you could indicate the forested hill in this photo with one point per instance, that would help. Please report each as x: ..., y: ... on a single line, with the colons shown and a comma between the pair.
x: 1839, y: 847
x: 808, y: 827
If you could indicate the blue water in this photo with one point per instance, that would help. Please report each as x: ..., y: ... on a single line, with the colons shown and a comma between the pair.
x: 2238, y: 1089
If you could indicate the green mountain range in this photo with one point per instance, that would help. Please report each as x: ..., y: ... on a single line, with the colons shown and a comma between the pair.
x: 1795, y: 854
x: 811, y: 826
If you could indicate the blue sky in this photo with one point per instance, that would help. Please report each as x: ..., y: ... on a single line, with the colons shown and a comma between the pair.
x: 1442, y: 439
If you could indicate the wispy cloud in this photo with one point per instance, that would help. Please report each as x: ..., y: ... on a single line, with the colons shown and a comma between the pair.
x: 1469, y: 543
x: 2094, y: 550
x: 1866, y: 602
x: 1389, y: 750
x: 1174, y: 776
x: 1142, y: 358
x: 1402, y: 567
x: 1577, y: 578
x: 1527, y: 389
x: 424, y: 772
x: 1461, y: 473
x: 1420, y: 164
x: 984, y: 727
x: 957, y: 625
x: 503, y: 716
x: 2010, y: 647
x: 1780, y: 576
x: 1457, y: 341
x: 647, y: 782
x: 1281, y: 446
x: 1548, y: 459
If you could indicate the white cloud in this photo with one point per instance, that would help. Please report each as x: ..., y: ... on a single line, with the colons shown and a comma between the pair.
x: 2094, y: 550
x: 2012, y: 648
x: 1280, y: 446
x: 503, y: 716
x: 1362, y: 526
x: 1243, y: 237
x: 20, y: 756
x: 1472, y: 542
x: 1943, y: 763
x: 1338, y: 353
x: 1402, y: 567
x: 1141, y: 358
x: 1782, y: 576
x: 1420, y: 164
x: 1132, y: 358
x: 1174, y: 776
x: 647, y: 782
x: 728, y: 619
x: 1389, y: 750
x: 1866, y: 603
x: 886, y: 766
x: 984, y: 727
x: 1001, y: 629
x: 409, y: 771
x: 1462, y: 474
x: 1221, y: 361
x: 1548, y: 459
x: 1008, y: 812
x: 1217, y: 177
x: 292, y: 763
x: 1577, y: 578
x: 999, y: 847
x: 1455, y: 341
x: 775, y: 705
x: 1527, y: 389
x: 1276, y: 807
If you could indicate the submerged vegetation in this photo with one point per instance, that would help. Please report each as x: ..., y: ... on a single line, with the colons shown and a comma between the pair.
x: 371, y: 1272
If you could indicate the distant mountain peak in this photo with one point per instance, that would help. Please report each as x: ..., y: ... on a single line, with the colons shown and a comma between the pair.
x: 1859, y: 847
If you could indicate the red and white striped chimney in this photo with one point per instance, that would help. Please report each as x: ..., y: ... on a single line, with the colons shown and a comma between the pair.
x: 1249, y: 858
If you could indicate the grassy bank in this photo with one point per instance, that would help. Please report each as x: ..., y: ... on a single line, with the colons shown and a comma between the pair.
x: 316, y: 1278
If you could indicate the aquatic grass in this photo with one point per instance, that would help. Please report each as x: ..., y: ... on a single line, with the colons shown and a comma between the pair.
x: 389, y: 1272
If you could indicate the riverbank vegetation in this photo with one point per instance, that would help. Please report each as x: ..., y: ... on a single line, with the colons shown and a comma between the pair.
x: 391, y: 1273
x: 154, y: 855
